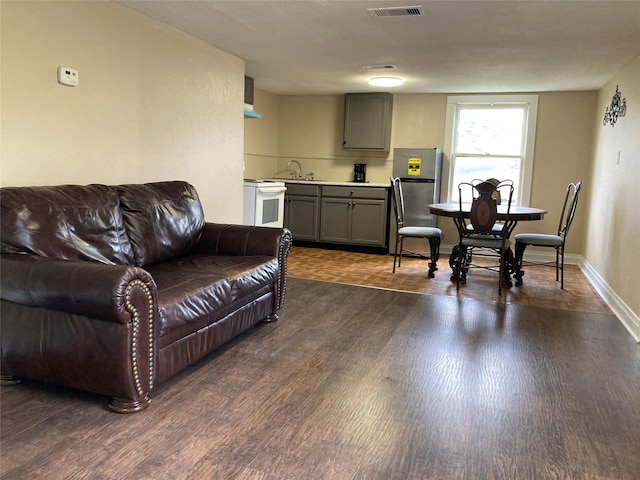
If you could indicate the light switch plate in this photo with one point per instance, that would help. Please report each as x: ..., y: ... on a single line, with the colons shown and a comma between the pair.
x: 67, y: 76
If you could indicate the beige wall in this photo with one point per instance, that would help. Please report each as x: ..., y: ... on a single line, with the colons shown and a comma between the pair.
x: 613, y: 202
x: 152, y: 103
x: 261, y: 137
x: 563, y: 149
x: 310, y: 130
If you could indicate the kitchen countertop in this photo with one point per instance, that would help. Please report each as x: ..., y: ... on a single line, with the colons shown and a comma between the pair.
x: 328, y: 182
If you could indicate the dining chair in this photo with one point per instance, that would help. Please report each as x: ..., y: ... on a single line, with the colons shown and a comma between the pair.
x: 497, y: 227
x: 432, y: 234
x: 477, y: 228
x: 549, y: 240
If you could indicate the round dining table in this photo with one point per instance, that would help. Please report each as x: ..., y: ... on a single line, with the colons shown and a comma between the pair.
x: 516, y: 212
x: 510, y: 218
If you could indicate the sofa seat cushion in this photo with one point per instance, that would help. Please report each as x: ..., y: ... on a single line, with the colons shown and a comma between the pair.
x: 196, y: 290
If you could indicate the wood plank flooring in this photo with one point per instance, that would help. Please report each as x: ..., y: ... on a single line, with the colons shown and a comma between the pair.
x: 360, y: 383
x: 539, y: 286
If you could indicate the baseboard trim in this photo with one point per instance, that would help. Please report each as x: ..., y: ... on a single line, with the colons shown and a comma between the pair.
x: 629, y: 319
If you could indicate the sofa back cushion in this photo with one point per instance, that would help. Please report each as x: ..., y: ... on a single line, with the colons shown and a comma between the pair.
x: 68, y: 222
x: 164, y: 219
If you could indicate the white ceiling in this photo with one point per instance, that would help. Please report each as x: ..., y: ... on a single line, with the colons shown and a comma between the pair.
x: 307, y: 47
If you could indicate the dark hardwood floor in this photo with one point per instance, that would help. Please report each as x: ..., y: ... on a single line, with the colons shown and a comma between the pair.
x: 361, y: 383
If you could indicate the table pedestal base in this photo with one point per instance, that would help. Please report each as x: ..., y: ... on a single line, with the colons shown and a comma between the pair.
x: 467, y: 259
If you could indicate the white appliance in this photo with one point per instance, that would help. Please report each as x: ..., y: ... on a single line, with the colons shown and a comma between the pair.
x: 264, y: 203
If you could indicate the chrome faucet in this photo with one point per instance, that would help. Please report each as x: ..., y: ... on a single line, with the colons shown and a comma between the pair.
x: 299, y: 177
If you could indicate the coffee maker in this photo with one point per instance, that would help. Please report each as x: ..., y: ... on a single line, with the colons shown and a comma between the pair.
x: 360, y: 172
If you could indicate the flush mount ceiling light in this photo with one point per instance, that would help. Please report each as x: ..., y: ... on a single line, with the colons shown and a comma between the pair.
x: 386, y: 81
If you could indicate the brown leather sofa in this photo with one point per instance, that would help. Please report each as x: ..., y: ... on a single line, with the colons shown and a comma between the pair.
x: 113, y: 289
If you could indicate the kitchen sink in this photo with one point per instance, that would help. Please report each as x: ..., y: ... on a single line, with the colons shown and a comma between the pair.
x: 300, y: 180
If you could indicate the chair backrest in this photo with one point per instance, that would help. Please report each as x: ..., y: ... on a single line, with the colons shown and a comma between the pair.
x: 568, y: 209
x: 398, y: 201
x: 486, y: 196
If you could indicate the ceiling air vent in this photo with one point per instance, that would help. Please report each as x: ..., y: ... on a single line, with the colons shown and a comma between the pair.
x: 379, y: 67
x: 395, y: 11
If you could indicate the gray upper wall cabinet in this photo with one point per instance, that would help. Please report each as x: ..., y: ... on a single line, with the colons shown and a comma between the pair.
x: 367, y: 121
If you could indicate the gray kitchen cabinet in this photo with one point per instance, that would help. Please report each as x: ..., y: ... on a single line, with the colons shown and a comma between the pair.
x: 335, y: 220
x: 354, y: 215
x: 301, y: 208
x: 367, y: 121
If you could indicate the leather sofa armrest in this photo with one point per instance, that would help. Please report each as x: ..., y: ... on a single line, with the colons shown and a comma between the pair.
x: 87, y: 325
x: 221, y: 239
x: 105, y: 292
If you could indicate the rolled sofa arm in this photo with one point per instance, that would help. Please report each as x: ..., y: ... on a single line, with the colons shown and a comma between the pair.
x: 220, y: 239
x: 85, y: 325
x: 84, y: 288
x: 223, y: 239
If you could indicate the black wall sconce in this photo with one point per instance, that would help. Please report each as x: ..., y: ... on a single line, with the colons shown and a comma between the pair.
x: 618, y: 108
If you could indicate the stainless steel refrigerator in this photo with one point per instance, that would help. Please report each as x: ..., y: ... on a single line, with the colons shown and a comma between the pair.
x: 419, y: 170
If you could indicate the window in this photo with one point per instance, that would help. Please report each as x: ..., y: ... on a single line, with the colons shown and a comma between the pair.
x: 492, y: 137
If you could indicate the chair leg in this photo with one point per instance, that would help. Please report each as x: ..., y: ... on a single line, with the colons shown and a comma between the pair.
x: 506, y: 262
x: 503, y: 259
x: 395, y: 253
x: 462, y: 251
x: 517, y: 263
x: 400, y: 253
x: 561, y: 269
x: 434, y: 244
x: 453, y: 262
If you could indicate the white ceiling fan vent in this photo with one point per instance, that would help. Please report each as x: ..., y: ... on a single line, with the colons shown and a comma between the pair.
x: 396, y: 11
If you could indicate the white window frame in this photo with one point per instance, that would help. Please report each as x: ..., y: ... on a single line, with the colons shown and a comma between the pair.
x: 526, y: 171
